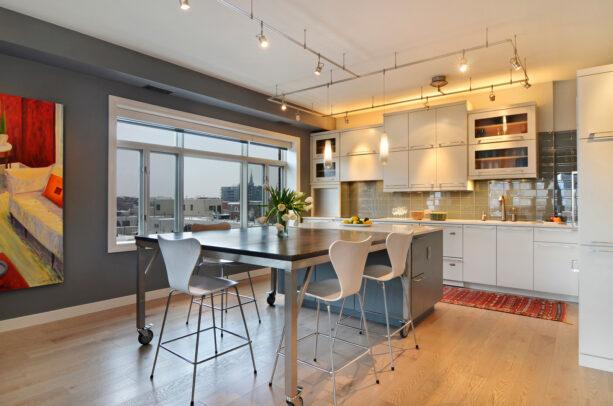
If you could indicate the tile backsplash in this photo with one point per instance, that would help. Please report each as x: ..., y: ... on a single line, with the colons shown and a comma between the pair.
x: 533, y: 199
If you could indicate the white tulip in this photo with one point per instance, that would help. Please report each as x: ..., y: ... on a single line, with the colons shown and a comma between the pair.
x: 307, y: 208
x: 309, y: 199
x: 285, y: 217
x: 261, y: 220
x: 292, y: 216
x: 265, y: 186
x: 281, y: 207
x: 279, y: 226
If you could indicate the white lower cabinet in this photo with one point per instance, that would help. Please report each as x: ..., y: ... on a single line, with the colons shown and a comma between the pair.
x: 396, y: 172
x: 553, y: 264
x: 452, y: 269
x: 595, y: 315
x: 479, y: 254
x: 514, y: 267
x: 452, y: 241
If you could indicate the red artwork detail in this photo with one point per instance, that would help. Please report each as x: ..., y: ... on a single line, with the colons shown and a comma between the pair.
x: 12, y: 279
x: 31, y: 129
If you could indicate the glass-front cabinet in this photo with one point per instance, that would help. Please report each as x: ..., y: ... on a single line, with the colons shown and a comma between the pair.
x: 501, y: 160
x: 322, y: 173
x: 318, y: 144
x: 516, y: 123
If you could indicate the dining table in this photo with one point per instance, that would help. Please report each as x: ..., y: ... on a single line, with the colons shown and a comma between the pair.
x: 303, y: 248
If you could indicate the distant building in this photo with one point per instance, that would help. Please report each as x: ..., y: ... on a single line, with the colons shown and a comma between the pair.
x: 233, y: 193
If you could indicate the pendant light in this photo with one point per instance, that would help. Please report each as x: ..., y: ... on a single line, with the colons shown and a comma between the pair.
x: 463, y: 64
x: 492, y: 95
x: 184, y: 4
x: 328, y: 154
x: 261, y: 37
x: 384, y: 148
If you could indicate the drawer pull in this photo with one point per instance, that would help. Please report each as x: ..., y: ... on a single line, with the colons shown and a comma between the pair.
x: 452, y: 233
x: 452, y: 264
x: 419, y: 278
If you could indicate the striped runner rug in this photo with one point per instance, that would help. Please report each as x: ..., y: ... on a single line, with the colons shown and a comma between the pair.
x: 501, y: 302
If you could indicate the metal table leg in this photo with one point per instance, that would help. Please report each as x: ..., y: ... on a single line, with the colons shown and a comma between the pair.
x: 273, y: 287
x: 292, y: 396
x: 145, y: 335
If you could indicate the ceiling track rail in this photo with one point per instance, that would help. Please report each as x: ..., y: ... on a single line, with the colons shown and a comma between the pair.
x: 281, y: 98
x: 423, y: 98
x: 249, y: 14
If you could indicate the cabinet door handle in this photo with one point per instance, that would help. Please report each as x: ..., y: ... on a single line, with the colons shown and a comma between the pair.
x: 516, y: 137
x: 429, y: 252
x: 451, y: 264
x: 594, y: 135
x: 608, y: 251
x: 446, y: 144
x: 422, y: 184
x: 452, y: 233
x: 602, y: 242
x: 419, y: 278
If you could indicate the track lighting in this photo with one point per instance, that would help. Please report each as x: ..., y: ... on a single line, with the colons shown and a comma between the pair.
x: 297, y: 116
x: 492, y: 95
x: 515, y: 63
x: 184, y: 4
x: 319, y: 67
x: 261, y: 37
x: 463, y: 63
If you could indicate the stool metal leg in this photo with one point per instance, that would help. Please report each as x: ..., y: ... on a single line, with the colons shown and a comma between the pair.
x: 316, y: 331
x: 191, y: 301
x: 374, y: 367
x: 255, y: 302
x: 196, y: 353
x: 331, y: 352
x: 413, y: 327
x: 240, y: 306
x: 274, y: 367
x: 214, y: 327
x: 362, y: 317
x: 221, y: 312
x: 387, y: 325
x: 157, y: 350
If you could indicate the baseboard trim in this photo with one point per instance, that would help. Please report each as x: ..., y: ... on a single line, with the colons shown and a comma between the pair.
x: 591, y: 361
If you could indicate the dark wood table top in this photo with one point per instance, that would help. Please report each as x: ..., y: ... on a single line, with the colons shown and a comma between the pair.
x: 263, y: 241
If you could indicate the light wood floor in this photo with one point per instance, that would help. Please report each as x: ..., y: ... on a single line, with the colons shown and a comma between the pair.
x: 466, y: 357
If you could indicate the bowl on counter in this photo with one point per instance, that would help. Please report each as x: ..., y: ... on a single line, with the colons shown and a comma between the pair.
x: 417, y: 214
x: 438, y: 216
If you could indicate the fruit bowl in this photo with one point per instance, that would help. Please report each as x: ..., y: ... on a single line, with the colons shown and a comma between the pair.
x: 355, y: 221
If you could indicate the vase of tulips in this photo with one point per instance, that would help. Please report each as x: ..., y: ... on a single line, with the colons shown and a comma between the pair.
x: 284, y: 205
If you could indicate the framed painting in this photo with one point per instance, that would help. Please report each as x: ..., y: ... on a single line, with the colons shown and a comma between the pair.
x: 31, y: 193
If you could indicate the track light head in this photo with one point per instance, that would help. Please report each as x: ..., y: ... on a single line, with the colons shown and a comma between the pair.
x: 261, y: 37
x: 297, y: 116
x: 515, y: 63
x: 527, y: 84
x: 346, y: 119
x: 320, y: 66
x: 492, y: 95
x: 283, y: 106
x: 184, y: 4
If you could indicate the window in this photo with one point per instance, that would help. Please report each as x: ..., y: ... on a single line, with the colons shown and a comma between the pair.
x: 169, y: 170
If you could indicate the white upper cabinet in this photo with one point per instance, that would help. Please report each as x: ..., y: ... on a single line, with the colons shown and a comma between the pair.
x: 422, y: 169
x: 594, y: 112
x: 361, y: 141
x: 362, y: 167
x: 514, y: 123
x: 422, y: 129
x: 318, y: 143
x: 452, y: 125
x: 396, y: 172
x: 397, y: 128
x: 514, y: 257
x: 451, y: 167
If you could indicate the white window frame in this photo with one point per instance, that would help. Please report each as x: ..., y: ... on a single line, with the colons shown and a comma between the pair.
x: 121, y: 108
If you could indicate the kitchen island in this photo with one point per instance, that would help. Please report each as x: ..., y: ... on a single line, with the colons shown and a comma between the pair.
x: 424, y: 271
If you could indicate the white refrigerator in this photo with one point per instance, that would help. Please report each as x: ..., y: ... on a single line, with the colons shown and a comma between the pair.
x: 595, y: 173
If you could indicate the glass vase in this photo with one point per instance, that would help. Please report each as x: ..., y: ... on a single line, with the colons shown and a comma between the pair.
x: 284, y: 231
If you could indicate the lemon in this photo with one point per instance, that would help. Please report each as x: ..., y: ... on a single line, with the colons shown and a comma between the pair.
x: 355, y: 218
x: 368, y: 222
x: 355, y: 222
x: 345, y: 221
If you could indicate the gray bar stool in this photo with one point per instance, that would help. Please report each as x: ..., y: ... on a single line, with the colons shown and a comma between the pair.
x: 226, y: 268
x: 180, y: 258
x: 398, y: 245
x: 348, y: 259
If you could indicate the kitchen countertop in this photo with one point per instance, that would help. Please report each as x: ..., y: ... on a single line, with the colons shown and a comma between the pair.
x: 383, y: 228
x: 406, y: 220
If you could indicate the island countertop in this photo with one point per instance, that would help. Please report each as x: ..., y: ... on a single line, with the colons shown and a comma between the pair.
x: 380, y: 227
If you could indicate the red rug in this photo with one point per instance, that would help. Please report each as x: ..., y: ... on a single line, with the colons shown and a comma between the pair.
x: 500, y: 302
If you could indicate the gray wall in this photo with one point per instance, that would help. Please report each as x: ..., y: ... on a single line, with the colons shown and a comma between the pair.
x: 91, y: 274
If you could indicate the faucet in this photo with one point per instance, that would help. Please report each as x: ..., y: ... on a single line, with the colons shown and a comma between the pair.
x: 502, y: 208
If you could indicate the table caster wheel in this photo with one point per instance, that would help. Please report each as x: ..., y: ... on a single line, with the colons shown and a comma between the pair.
x: 298, y: 402
x: 145, y: 336
x: 404, y: 333
x: 271, y: 299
